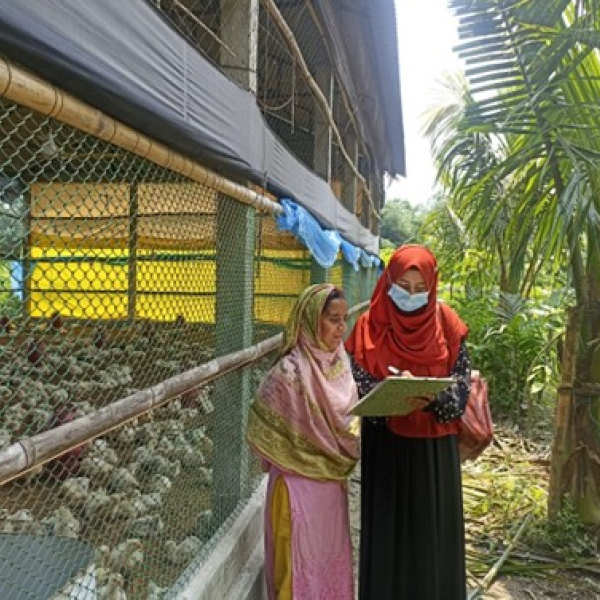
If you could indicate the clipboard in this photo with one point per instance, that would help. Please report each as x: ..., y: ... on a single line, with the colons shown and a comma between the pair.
x: 389, y: 397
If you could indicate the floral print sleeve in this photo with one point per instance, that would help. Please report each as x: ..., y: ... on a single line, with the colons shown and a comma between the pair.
x: 365, y: 382
x: 451, y: 404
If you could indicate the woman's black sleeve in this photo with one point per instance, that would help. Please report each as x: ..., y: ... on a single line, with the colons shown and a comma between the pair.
x: 365, y: 382
x: 451, y: 404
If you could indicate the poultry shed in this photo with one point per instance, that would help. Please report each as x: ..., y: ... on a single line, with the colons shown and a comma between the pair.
x: 152, y: 241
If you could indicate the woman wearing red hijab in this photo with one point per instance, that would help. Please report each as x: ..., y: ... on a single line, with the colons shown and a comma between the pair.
x: 412, y: 527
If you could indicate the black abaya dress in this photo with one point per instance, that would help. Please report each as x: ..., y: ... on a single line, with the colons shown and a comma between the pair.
x: 412, y: 543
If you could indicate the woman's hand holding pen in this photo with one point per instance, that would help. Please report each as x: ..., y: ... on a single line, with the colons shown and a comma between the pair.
x: 417, y: 402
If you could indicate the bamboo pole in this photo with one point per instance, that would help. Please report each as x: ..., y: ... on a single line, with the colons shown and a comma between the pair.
x: 561, y: 465
x: 36, y: 450
x: 316, y: 90
x: 22, y: 87
x: 26, y: 255
x: 29, y: 453
x: 493, y: 572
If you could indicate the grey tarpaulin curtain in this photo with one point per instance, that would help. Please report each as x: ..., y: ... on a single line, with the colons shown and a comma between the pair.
x: 125, y: 60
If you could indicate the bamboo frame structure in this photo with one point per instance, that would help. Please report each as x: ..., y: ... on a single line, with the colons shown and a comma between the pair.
x: 316, y: 90
x: 349, y: 110
x: 22, y: 87
x: 27, y: 454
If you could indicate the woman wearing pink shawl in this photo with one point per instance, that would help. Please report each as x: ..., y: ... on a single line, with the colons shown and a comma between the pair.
x: 300, y: 427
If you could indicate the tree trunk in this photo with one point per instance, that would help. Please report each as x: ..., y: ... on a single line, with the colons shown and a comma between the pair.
x: 575, y: 467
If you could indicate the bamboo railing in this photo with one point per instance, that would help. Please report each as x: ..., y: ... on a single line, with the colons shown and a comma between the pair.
x: 22, y: 87
x: 29, y: 453
x: 32, y: 452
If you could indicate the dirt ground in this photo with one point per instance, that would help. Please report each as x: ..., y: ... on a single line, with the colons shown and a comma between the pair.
x: 558, y: 585
x: 563, y: 586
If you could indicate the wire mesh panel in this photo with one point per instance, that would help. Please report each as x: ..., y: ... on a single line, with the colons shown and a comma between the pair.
x: 116, y: 275
x: 111, y: 269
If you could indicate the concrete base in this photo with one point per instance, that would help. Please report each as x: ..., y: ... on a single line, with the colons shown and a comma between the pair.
x: 234, y: 570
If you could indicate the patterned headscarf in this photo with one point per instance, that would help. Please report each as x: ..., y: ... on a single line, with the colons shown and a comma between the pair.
x: 305, y: 316
x: 299, y: 420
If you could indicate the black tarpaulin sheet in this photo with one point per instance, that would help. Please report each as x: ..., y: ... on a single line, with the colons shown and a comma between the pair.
x: 123, y: 58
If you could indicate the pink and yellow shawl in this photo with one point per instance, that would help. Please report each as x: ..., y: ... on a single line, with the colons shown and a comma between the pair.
x: 300, y: 419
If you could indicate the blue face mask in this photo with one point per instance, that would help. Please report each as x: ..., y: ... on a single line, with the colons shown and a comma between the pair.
x: 406, y: 301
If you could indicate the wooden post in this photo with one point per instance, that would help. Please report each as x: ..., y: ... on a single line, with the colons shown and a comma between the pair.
x: 378, y: 199
x: 132, y: 257
x: 377, y: 194
x: 349, y: 187
x: 366, y: 212
x: 239, y: 31
x: 322, y: 128
x: 26, y: 255
x: 234, y: 313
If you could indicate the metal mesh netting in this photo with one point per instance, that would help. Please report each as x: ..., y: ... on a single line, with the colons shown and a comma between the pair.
x: 116, y: 275
x: 283, y: 92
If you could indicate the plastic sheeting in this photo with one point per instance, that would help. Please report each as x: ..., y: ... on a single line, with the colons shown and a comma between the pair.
x: 324, y: 245
x: 351, y: 254
x: 124, y: 59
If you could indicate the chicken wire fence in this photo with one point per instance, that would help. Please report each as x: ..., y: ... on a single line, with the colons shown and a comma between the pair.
x: 116, y: 275
x: 283, y: 91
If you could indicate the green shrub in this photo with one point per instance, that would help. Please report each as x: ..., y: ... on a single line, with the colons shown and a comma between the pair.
x: 564, y: 534
x: 512, y: 341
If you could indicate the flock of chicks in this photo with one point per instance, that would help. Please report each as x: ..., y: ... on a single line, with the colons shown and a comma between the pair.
x: 122, y: 478
x: 128, y: 488
x: 49, y: 371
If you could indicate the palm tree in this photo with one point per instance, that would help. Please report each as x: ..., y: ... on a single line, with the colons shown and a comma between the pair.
x: 481, y: 202
x: 533, y: 69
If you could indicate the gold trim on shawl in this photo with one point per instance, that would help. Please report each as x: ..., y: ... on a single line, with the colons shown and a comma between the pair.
x: 331, y: 371
x: 270, y: 435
